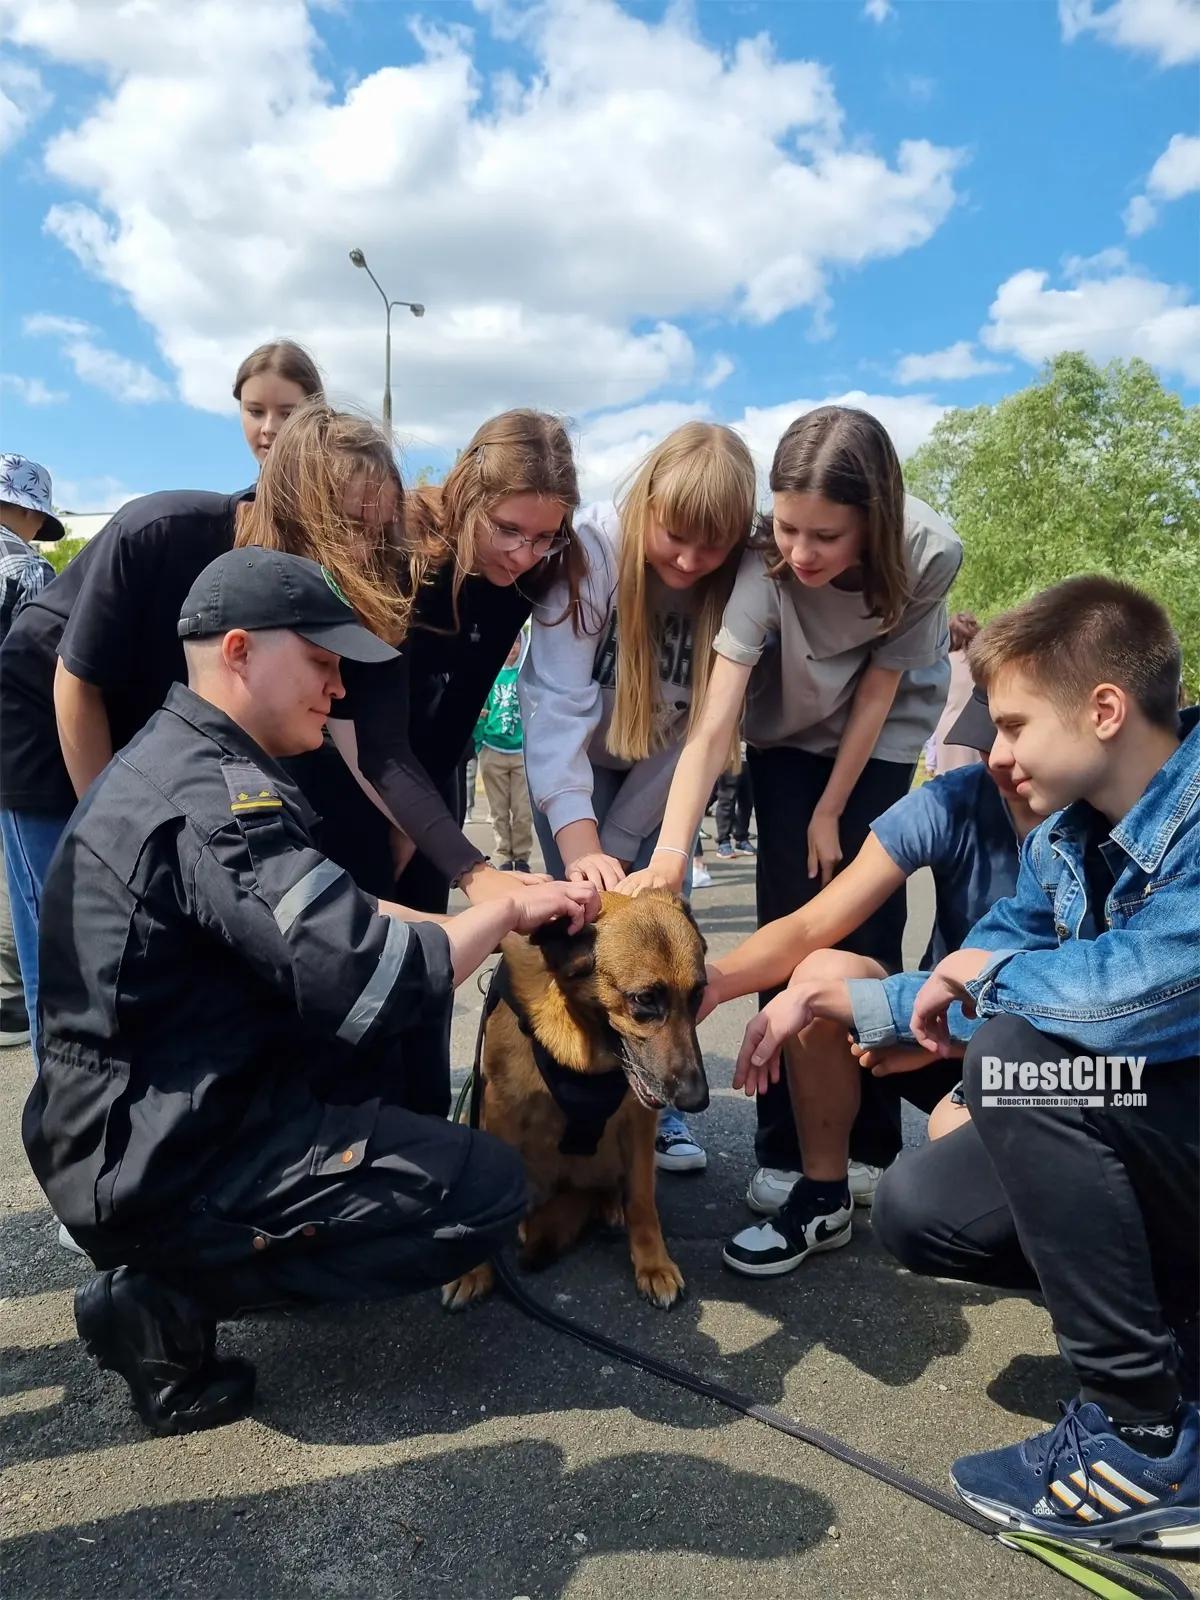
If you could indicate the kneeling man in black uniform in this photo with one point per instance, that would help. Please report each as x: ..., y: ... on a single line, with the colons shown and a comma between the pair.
x: 226, y: 1117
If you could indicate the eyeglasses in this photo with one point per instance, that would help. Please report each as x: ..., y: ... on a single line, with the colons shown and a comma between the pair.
x: 542, y: 545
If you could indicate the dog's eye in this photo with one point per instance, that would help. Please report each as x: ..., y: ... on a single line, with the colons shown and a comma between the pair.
x: 696, y: 996
x: 648, y: 1002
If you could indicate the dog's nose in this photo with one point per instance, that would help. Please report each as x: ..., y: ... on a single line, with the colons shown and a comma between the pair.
x: 691, y: 1092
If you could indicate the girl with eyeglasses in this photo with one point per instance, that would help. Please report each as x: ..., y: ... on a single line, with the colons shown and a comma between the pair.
x: 479, y: 549
x: 608, y: 685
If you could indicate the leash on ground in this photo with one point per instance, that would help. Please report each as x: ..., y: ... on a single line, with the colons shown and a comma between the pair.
x: 1111, y: 1576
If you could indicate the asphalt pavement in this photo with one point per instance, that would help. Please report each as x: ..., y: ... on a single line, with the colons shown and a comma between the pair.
x: 400, y: 1451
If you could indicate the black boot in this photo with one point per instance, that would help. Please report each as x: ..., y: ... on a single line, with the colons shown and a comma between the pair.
x: 166, y: 1354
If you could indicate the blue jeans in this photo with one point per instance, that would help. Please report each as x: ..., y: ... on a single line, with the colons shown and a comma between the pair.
x: 606, y: 785
x: 29, y: 842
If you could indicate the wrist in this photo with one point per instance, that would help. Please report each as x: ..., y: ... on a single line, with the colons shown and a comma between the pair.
x: 829, y: 810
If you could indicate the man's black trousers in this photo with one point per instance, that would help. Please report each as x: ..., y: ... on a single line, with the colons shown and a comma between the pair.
x: 351, y: 1202
x: 1099, y: 1207
x: 787, y: 786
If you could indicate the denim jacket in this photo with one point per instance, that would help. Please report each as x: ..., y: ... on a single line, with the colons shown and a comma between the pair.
x: 1137, y: 984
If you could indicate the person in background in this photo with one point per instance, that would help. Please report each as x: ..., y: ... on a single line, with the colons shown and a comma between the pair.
x: 270, y: 383
x: 499, y: 744
x: 26, y: 514
x: 735, y: 803
x: 607, y: 700
x: 837, y: 627
x: 940, y: 755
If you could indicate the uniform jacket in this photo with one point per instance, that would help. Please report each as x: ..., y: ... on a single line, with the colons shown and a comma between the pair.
x: 212, y: 987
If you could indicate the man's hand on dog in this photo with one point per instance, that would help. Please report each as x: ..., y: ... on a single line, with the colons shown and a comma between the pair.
x: 579, y: 903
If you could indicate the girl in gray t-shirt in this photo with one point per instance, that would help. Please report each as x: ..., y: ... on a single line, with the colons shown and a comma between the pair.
x: 834, y: 644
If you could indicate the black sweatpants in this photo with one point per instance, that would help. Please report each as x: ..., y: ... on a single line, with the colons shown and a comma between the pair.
x: 735, y: 802
x: 1099, y: 1207
x: 787, y: 786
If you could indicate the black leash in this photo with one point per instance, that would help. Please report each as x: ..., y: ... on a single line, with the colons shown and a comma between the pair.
x: 1115, y: 1577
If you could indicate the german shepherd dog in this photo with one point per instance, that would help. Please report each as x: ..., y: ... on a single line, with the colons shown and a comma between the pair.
x: 616, y: 1003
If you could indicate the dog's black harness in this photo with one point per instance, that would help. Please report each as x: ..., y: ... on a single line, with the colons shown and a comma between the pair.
x: 586, y: 1099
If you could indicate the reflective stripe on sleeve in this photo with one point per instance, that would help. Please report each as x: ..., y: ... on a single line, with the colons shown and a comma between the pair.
x: 378, y: 986
x: 301, y: 895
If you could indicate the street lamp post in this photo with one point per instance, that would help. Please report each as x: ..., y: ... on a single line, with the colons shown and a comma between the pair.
x: 417, y: 309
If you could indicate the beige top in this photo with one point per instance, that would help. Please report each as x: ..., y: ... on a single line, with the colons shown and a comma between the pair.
x: 809, y: 648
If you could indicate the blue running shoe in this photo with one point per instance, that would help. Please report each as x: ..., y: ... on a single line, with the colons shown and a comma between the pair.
x: 1080, y: 1481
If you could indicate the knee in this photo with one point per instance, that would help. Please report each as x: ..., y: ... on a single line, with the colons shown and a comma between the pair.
x: 901, y: 1217
x: 840, y: 964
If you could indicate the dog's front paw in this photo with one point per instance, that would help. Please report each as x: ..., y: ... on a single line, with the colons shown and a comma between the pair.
x: 472, y: 1286
x: 661, y: 1283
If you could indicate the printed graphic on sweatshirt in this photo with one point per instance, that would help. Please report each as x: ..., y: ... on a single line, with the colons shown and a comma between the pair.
x: 504, y: 710
x: 674, y: 652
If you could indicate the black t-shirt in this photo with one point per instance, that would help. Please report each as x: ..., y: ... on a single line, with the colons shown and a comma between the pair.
x: 111, y: 616
x: 414, y: 717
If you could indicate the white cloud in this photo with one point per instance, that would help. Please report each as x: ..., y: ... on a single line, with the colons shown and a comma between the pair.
x: 92, y: 495
x: 1174, y: 174
x: 946, y: 366
x: 23, y: 97
x: 720, y: 370
x: 1168, y: 29
x: 94, y: 364
x: 611, y: 445
x: 878, y: 10
x: 1115, y: 317
x: 559, y: 228
x: 1140, y: 214
x: 30, y: 391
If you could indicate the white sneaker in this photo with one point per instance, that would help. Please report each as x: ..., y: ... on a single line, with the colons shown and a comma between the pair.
x: 769, y: 1188
x: 778, y: 1246
x: 66, y: 1241
x: 863, y: 1182
x: 701, y: 878
x: 675, y: 1150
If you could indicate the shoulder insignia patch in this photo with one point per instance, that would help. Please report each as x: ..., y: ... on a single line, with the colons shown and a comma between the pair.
x: 249, y: 788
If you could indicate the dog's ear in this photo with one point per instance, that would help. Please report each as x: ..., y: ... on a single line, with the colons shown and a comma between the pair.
x: 567, y: 955
x: 685, y: 906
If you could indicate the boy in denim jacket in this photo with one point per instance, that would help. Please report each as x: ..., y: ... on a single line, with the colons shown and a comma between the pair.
x: 1081, y: 998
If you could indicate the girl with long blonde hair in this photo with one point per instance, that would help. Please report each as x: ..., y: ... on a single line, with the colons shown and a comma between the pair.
x: 837, y: 627
x: 608, y: 685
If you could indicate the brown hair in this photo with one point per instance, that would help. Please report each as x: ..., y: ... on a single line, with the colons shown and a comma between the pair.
x: 299, y: 506
x: 1086, y: 631
x: 846, y: 456
x: 963, y: 628
x: 518, y: 452
x: 700, y: 484
x: 285, y: 359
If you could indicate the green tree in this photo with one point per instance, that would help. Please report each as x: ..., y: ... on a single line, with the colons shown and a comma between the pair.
x: 60, y: 552
x: 1088, y: 470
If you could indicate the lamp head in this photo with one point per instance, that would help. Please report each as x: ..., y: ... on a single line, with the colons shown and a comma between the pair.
x: 357, y: 257
x: 417, y: 309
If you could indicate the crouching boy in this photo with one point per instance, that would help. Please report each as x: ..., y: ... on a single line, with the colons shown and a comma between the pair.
x: 1083, y: 1077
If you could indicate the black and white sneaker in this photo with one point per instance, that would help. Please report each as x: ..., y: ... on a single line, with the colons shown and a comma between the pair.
x: 798, y: 1230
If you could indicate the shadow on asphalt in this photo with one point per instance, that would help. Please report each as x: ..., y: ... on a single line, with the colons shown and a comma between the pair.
x: 472, y: 1521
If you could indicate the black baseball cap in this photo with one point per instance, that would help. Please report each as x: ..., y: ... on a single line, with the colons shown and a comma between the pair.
x: 255, y: 589
x: 973, y: 726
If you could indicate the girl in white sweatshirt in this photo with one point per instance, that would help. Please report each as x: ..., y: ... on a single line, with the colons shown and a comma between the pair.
x: 606, y: 702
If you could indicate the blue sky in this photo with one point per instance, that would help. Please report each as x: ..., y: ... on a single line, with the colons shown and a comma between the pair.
x: 628, y: 214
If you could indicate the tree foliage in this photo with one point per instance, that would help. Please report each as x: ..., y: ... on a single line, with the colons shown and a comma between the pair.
x: 1087, y: 470
x: 61, y: 551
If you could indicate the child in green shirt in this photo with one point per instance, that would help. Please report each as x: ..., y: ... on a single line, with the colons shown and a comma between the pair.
x: 500, y: 745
